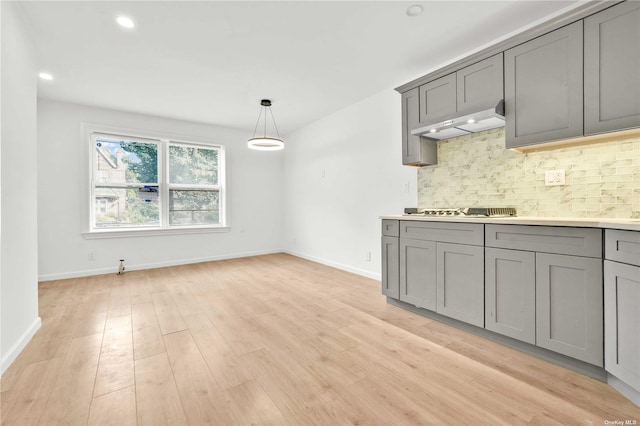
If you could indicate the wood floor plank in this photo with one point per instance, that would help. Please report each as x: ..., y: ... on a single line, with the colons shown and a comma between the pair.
x: 220, y: 359
x: 157, y: 398
x: 147, y: 338
x: 25, y: 403
x: 115, y: 369
x: 117, y: 408
x: 274, y: 339
x: 70, y: 396
x: 169, y: 316
x: 201, y: 397
x: 263, y: 411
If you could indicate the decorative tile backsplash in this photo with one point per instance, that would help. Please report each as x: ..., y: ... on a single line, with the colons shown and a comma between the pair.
x: 602, y: 179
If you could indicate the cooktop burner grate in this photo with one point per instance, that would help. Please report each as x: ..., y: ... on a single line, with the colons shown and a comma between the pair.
x: 464, y: 211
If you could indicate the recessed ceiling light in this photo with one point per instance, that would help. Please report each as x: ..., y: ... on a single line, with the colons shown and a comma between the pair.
x: 414, y: 10
x: 433, y: 130
x: 45, y: 76
x: 125, y: 22
x: 471, y: 121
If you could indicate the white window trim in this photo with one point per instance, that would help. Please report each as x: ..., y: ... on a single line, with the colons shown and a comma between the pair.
x: 87, y: 187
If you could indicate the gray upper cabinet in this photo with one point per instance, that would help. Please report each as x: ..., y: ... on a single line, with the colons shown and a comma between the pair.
x: 612, y: 69
x: 544, y: 88
x: 480, y: 86
x: 438, y: 99
x: 416, y: 151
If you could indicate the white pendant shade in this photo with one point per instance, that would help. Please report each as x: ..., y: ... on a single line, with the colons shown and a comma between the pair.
x: 265, y: 144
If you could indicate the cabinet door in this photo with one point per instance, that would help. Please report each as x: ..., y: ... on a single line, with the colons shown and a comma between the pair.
x: 622, y: 320
x: 460, y: 282
x: 480, y: 86
x: 612, y: 69
x: 569, y: 306
x: 543, y: 88
x: 418, y: 273
x: 437, y: 99
x: 390, y: 267
x: 510, y: 293
x: 416, y: 151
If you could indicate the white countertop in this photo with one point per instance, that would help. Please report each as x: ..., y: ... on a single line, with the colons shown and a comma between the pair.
x: 602, y: 222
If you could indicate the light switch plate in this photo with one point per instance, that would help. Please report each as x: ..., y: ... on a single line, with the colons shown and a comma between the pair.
x: 554, y: 177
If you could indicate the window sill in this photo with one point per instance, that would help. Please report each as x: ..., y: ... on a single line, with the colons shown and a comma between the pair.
x: 126, y: 233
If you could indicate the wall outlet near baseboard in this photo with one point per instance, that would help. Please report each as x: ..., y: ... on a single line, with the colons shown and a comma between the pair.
x: 554, y: 177
x: 367, y: 256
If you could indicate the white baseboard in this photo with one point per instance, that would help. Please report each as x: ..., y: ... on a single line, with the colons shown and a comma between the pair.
x: 113, y: 270
x: 336, y: 265
x: 11, y: 355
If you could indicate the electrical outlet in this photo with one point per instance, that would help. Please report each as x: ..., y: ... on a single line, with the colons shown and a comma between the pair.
x: 405, y: 187
x: 554, y: 177
x: 367, y: 256
x: 91, y: 256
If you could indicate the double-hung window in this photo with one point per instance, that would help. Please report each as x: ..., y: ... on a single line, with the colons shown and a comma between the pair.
x: 142, y: 184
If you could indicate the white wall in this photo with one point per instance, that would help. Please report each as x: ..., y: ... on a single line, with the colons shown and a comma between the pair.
x: 254, y: 198
x: 18, y: 182
x: 341, y: 173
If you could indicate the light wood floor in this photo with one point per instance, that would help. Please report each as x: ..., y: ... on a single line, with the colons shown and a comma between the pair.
x: 274, y: 340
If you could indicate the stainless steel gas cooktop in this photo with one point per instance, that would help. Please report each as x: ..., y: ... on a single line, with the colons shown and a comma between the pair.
x: 463, y: 211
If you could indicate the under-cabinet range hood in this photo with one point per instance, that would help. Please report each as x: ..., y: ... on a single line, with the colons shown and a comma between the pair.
x: 460, y: 125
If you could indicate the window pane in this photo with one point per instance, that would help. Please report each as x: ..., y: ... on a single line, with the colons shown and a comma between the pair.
x: 125, y: 161
x: 195, y: 166
x: 193, y: 207
x: 126, y: 207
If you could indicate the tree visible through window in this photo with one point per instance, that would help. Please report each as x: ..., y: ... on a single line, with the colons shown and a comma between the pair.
x: 135, y: 186
x: 193, y: 177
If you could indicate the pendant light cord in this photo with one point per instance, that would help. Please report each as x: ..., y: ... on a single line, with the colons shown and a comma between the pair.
x: 258, y: 122
x: 273, y: 119
x: 274, y: 122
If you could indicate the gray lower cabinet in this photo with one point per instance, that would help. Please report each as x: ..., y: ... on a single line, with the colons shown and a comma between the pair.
x: 543, y: 86
x: 544, y: 286
x: 569, y: 306
x: 622, y: 305
x: 418, y: 273
x: 416, y: 150
x: 510, y: 292
x: 612, y: 69
x: 390, y: 258
x: 390, y: 267
x: 442, y: 268
x: 622, y: 321
x: 460, y: 282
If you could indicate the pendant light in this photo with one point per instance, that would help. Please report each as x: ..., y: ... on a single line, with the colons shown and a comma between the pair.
x: 264, y: 142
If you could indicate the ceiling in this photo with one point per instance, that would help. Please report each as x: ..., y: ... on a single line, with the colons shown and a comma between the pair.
x: 212, y: 61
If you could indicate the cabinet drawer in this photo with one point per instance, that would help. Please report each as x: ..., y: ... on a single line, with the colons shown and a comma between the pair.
x: 390, y: 228
x: 622, y: 246
x: 546, y: 239
x: 446, y: 232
